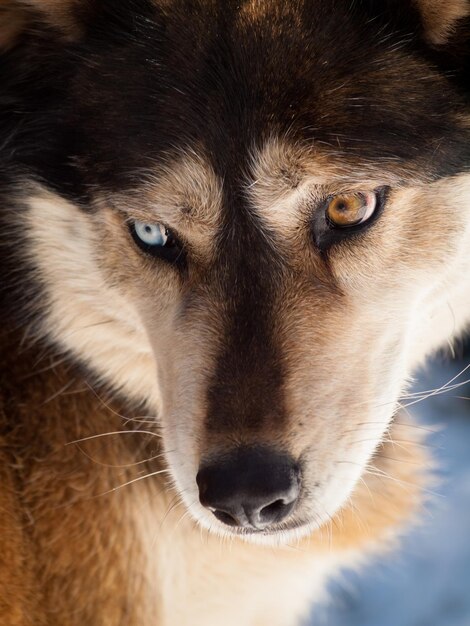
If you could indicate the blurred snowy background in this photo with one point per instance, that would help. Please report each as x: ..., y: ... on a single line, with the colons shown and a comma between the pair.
x: 428, y: 582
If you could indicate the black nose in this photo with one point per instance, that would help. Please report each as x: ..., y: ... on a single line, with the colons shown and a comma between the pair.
x: 251, y: 487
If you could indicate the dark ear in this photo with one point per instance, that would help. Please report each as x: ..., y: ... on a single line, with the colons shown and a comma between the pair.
x: 60, y: 16
x: 441, y: 27
x: 446, y: 29
x: 442, y: 18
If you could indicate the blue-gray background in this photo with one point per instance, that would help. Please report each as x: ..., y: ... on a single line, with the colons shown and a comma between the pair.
x: 428, y: 582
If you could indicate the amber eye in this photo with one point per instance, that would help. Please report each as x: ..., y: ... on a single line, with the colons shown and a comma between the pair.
x: 347, y: 210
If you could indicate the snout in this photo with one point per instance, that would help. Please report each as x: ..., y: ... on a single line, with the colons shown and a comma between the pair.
x: 250, y: 488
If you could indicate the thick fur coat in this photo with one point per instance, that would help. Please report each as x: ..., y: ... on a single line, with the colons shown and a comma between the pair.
x: 227, y: 229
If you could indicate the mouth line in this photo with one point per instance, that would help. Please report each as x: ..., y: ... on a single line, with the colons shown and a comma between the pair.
x: 265, y: 532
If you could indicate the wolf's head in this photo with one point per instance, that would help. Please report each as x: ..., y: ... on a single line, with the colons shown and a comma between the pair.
x: 253, y: 217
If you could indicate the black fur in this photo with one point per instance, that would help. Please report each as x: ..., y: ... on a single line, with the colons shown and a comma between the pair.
x: 355, y: 79
x: 139, y: 83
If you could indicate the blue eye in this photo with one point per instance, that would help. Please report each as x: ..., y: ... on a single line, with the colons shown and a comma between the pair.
x: 151, y: 234
x: 157, y: 240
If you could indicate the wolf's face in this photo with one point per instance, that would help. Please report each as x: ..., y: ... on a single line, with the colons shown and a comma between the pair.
x: 249, y: 219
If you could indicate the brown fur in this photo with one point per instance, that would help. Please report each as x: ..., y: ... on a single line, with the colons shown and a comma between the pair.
x: 441, y: 17
x: 12, y: 23
x: 17, y: 15
x: 71, y: 553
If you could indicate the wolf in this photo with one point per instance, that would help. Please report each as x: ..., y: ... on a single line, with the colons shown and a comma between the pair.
x: 230, y: 233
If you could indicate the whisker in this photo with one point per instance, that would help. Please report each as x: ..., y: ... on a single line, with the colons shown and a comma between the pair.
x: 134, y: 480
x: 184, y: 516
x: 391, y: 458
x: 119, y: 466
x: 439, y: 392
x: 59, y: 392
x: 49, y: 367
x: 106, y: 405
x: 445, y: 387
x: 115, y: 432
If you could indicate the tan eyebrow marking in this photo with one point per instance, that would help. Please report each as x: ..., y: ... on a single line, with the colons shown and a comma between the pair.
x: 184, y: 192
x: 286, y: 178
x: 280, y: 174
x: 190, y: 185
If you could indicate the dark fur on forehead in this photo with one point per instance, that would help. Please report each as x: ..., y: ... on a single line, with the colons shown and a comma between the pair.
x: 145, y: 79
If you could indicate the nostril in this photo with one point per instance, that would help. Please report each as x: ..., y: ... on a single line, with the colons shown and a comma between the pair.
x: 272, y: 511
x: 226, y: 518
